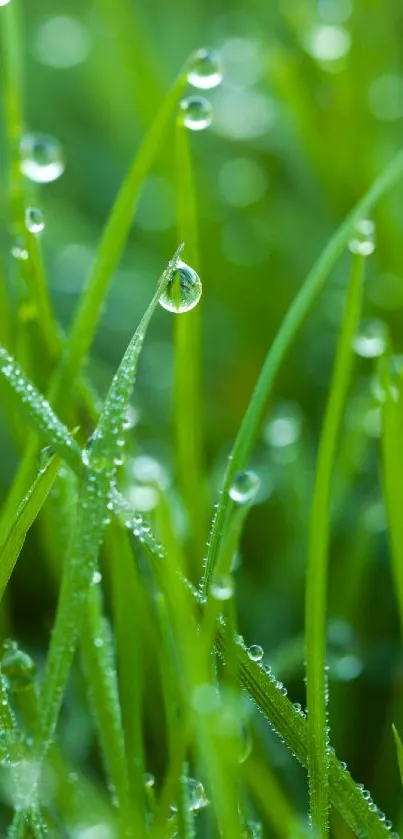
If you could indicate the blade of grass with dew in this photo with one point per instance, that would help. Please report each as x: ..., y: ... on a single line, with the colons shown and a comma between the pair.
x: 292, y: 322
x: 101, y: 678
x: 290, y: 724
x: 99, y: 475
x: 187, y: 389
x: 318, y: 548
x: 127, y: 622
x: 39, y: 413
x: 392, y: 465
x: 24, y: 519
x: 399, y: 751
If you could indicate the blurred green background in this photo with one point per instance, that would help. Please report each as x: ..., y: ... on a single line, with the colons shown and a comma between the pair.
x: 309, y: 111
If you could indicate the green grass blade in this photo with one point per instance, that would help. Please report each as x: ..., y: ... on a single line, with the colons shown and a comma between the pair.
x: 187, y: 389
x: 129, y: 623
x: 112, y: 244
x: 281, y: 344
x: 392, y: 465
x: 12, y: 97
x: 399, y: 751
x: 319, y: 534
x: 358, y: 812
x: 39, y: 412
x: 24, y: 519
x: 100, y: 670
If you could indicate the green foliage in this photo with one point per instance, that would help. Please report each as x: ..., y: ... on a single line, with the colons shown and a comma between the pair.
x: 167, y: 724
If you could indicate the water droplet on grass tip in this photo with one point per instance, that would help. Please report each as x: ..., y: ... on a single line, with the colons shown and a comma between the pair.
x: 41, y: 158
x: 244, y: 487
x: 34, y: 221
x: 222, y: 587
x: 197, y: 113
x: 183, y: 290
x: 18, y: 667
x: 255, y: 652
x: 205, y: 69
x: 371, y: 339
x: 363, y: 238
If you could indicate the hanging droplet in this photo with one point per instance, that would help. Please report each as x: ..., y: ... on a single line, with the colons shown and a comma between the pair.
x: 363, y: 238
x: 149, y: 780
x: 45, y: 455
x: 41, y: 158
x: 197, y: 112
x: 183, y: 291
x: 222, y: 587
x: 18, y: 667
x: 371, y: 339
x: 19, y: 251
x: 244, y: 487
x: 255, y: 652
x: 205, y: 69
x: 196, y: 797
x: 34, y: 221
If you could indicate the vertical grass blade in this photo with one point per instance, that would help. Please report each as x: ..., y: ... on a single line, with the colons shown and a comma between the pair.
x: 280, y: 346
x: 399, y: 751
x: 187, y: 390
x: 392, y: 465
x: 319, y: 534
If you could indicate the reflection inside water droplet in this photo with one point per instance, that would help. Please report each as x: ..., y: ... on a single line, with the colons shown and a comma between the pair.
x: 197, y: 113
x: 34, y: 221
x: 183, y: 290
x: 244, y: 487
x: 205, y: 69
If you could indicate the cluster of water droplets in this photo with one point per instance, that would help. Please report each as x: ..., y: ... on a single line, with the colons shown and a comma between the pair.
x: 182, y: 291
x: 204, y: 73
x: 134, y: 522
x: 362, y: 240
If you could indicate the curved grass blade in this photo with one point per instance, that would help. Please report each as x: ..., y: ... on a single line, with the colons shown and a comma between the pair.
x: 25, y: 516
x: 111, y: 247
x: 292, y: 322
x: 91, y: 514
x: 319, y: 533
x: 187, y: 388
x: 39, y: 413
x: 358, y: 812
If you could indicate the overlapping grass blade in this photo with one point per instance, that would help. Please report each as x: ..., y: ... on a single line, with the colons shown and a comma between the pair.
x: 25, y: 516
x: 280, y: 346
x: 399, y: 751
x: 39, y: 412
x: 319, y: 535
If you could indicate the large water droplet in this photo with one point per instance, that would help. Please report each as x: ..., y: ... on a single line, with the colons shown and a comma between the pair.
x: 183, y: 291
x: 18, y: 667
x: 197, y: 113
x: 371, y: 339
x: 41, y: 158
x: 34, y: 221
x: 205, y: 70
x: 222, y: 587
x: 255, y: 652
x: 363, y: 238
x: 244, y: 487
x: 195, y: 795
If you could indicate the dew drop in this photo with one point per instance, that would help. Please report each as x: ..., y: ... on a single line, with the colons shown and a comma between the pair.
x: 197, y: 113
x: 371, y: 339
x: 253, y: 830
x: 244, y: 487
x: 18, y: 667
x: 222, y: 587
x: 34, y: 221
x: 183, y: 290
x: 149, y: 780
x: 205, y: 69
x: 96, y: 577
x: 41, y: 158
x: 19, y: 251
x: 196, y: 797
x: 363, y: 238
x: 255, y: 652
